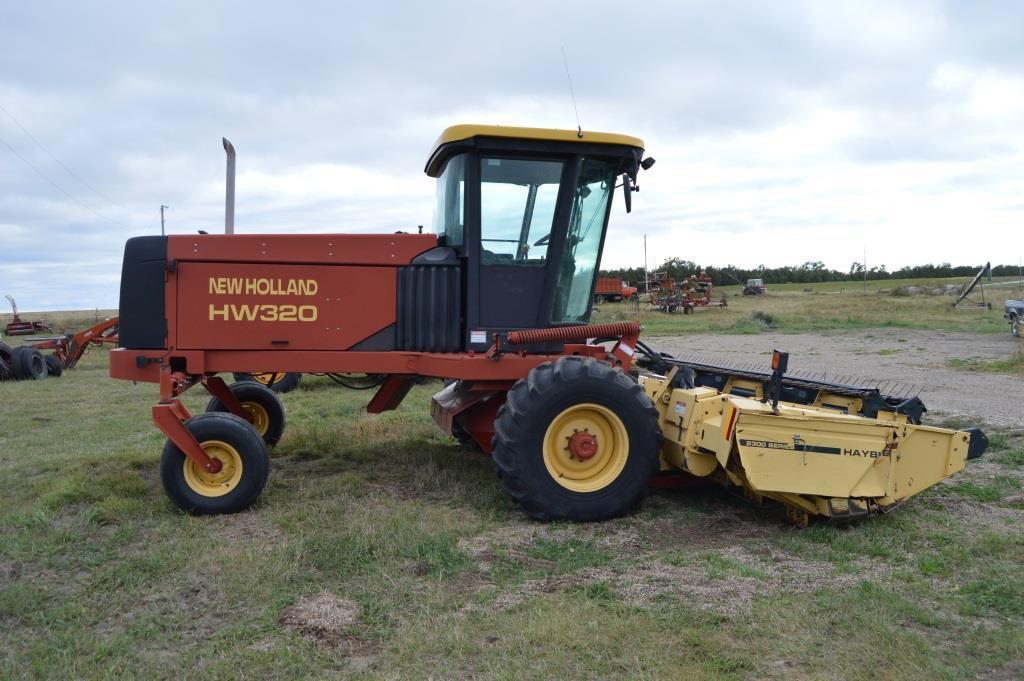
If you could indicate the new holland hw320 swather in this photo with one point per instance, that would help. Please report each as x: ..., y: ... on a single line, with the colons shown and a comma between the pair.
x: 498, y: 302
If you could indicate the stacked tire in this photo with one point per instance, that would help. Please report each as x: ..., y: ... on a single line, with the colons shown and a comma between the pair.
x: 6, y: 357
x: 24, y: 363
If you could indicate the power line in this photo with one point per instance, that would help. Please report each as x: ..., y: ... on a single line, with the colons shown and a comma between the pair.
x: 59, y: 162
x: 57, y: 186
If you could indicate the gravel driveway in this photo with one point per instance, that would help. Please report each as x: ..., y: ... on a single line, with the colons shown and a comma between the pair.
x: 904, y: 356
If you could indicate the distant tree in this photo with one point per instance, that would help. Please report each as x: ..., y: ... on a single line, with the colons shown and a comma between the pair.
x: 811, y: 271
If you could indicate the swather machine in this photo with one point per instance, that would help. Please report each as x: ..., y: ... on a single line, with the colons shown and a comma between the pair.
x: 578, y: 417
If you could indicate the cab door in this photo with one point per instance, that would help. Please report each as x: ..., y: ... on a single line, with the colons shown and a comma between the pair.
x: 519, y: 209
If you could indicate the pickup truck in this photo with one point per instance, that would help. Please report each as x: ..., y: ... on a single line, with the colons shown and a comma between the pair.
x: 1013, y: 310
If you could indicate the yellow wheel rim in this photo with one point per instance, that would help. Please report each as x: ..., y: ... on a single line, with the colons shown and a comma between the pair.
x: 268, y: 379
x: 586, y: 447
x: 260, y: 417
x: 215, y: 484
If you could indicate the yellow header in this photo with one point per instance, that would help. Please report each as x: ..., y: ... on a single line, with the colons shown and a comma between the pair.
x: 457, y: 133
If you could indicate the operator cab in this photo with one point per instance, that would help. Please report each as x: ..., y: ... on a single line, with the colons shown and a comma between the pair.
x: 524, y: 211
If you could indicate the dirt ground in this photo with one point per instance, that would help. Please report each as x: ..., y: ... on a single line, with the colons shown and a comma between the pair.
x: 910, y: 358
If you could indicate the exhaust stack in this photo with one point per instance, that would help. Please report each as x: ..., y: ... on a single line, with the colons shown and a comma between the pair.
x: 229, y: 195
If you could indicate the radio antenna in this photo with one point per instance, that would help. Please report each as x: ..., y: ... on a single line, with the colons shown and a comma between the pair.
x: 579, y: 127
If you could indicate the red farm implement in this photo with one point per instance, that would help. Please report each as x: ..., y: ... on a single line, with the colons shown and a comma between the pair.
x: 18, y: 327
x: 29, y: 362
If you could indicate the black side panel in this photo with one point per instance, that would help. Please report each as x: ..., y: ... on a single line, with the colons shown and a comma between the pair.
x: 143, y: 322
x: 429, y: 308
x: 382, y: 341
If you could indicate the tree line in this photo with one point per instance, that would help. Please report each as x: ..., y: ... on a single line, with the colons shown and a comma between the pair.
x: 809, y: 272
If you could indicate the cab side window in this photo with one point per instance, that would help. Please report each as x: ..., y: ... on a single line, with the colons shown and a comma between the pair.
x: 517, y: 210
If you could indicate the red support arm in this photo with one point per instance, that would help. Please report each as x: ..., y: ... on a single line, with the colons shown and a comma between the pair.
x: 170, y: 419
x: 216, y: 386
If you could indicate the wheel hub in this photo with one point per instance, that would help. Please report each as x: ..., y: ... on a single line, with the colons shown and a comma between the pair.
x: 223, y: 476
x: 582, y: 445
x: 585, y: 447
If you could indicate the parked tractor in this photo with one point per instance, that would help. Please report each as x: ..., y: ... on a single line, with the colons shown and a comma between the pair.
x: 577, y: 417
x: 754, y: 287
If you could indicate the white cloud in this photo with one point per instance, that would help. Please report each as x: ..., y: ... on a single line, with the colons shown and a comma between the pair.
x: 784, y: 132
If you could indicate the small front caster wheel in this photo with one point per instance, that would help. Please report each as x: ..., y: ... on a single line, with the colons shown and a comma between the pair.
x: 263, y: 406
x: 245, y: 466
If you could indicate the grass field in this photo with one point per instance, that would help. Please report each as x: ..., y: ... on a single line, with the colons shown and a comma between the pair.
x: 381, y: 548
x: 832, y: 306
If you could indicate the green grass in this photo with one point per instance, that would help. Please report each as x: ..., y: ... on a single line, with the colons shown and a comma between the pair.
x: 833, y: 306
x: 994, y: 490
x: 100, y: 577
x: 1009, y: 365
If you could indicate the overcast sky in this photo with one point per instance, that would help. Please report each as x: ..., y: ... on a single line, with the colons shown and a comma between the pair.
x: 784, y: 131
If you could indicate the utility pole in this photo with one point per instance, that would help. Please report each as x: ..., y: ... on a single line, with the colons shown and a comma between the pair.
x: 865, y: 269
x: 162, y: 208
x: 647, y: 278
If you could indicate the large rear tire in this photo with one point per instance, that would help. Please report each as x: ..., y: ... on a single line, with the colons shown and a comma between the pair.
x: 262, y: 404
x: 576, y: 440
x: 242, y: 453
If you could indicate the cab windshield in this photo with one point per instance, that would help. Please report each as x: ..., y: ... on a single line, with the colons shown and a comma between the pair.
x: 576, y: 273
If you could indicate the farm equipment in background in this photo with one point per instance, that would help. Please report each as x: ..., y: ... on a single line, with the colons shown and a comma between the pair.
x: 613, y: 289
x: 752, y: 287
x: 976, y: 282
x: 755, y: 287
x: 694, y: 292
x: 18, y: 327
x: 1013, y: 312
x: 28, y: 361
x: 69, y: 348
x: 664, y: 296
x: 578, y: 417
x: 697, y: 292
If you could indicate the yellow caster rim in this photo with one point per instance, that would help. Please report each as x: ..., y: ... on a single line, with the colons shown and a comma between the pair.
x: 223, y: 481
x: 586, y: 447
x: 268, y: 378
x: 260, y: 416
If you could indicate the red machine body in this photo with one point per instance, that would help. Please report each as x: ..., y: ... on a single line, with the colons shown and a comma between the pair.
x: 236, y: 302
x: 505, y: 285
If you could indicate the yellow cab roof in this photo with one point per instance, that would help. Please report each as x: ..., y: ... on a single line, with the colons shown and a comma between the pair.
x: 457, y: 133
